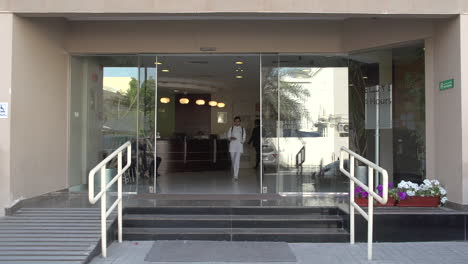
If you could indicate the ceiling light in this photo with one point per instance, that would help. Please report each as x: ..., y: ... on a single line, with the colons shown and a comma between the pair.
x: 165, y: 70
x: 221, y: 104
x: 213, y: 103
x: 158, y: 63
x: 306, y: 70
x: 364, y: 77
x: 239, y: 62
x: 184, y: 100
x: 200, y: 102
x: 239, y: 77
x: 165, y: 100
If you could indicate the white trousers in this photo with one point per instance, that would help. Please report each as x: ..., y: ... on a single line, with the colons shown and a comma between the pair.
x: 235, y: 161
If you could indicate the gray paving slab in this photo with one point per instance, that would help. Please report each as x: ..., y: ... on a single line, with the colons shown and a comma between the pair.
x: 334, y: 253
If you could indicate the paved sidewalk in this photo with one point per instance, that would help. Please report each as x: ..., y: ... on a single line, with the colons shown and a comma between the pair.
x: 134, y: 252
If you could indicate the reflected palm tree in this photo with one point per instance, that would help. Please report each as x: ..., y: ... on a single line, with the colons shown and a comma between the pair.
x: 284, y: 99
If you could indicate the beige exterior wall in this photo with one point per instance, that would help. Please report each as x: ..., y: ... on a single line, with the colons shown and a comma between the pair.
x: 39, y: 107
x: 38, y: 72
x: 6, y: 31
x: 189, y: 36
x: 447, y: 109
x: 464, y: 104
x: 361, y: 34
x: 223, y: 6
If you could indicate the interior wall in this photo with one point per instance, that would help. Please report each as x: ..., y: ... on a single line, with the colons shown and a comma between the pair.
x: 190, y: 36
x: 448, y: 108
x: 39, y: 104
x: 6, y: 31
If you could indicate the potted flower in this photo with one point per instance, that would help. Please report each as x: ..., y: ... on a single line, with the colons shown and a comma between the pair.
x: 391, y: 195
x: 429, y: 194
x: 361, y: 197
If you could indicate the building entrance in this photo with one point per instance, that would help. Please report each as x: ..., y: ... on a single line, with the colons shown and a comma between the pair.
x: 197, y: 98
x: 308, y: 106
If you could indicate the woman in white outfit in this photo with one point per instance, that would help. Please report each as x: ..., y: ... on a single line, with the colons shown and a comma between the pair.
x: 236, y: 135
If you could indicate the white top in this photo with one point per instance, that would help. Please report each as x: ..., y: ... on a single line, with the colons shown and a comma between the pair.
x: 237, y: 144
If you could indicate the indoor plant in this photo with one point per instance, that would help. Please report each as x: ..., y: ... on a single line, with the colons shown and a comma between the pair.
x: 429, y: 194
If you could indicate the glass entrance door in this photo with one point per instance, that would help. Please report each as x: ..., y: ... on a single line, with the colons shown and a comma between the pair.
x: 305, y: 122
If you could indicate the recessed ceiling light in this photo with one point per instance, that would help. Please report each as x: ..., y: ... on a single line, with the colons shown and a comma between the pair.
x: 200, y: 102
x: 221, y: 104
x: 165, y: 100
x: 165, y: 70
x: 213, y: 103
x: 364, y: 77
x: 158, y: 63
x: 239, y: 62
x: 239, y: 77
x: 184, y: 100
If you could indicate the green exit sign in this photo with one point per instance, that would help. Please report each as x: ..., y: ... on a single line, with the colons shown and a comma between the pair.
x: 447, y: 84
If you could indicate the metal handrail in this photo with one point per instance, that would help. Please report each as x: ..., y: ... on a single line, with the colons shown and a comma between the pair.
x: 102, y: 195
x: 300, y: 157
x: 369, y: 216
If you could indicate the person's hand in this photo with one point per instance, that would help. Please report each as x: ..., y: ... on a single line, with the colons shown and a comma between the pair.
x: 233, y: 138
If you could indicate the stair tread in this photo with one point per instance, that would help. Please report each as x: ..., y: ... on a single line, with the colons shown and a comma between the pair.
x: 311, y: 217
x: 304, y: 231
x: 42, y: 258
x: 44, y: 253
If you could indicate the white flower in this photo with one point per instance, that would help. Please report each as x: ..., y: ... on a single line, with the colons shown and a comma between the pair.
x: 402, y: 185
x: 424, y: 187
x: 436, y: 182
x: 427, y: 182
x: 410, y: 193
x: 443, y: 200
x: 443, y: 191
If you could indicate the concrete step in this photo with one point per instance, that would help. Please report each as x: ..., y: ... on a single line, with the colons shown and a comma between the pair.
x: 240, y: 210
x: 235, y: 221
x: 239, y: 234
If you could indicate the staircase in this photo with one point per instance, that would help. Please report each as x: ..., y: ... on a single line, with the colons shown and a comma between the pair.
x: 50, y: 235
x: 289, y: 224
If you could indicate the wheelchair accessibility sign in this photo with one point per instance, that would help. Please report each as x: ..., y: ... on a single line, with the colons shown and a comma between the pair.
x: 3, y: 110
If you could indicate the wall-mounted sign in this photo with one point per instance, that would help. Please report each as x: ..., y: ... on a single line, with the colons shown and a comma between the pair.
x: 447, y: 84
x: 378, y: 99
x: 3, y: 110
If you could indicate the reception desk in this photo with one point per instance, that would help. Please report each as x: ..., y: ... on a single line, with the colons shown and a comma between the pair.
x: 190, y: 154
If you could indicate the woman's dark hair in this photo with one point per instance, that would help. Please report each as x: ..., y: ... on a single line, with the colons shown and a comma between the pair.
x: 237, y: 118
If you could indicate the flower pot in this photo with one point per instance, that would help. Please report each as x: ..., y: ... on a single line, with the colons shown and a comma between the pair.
x: 390, y: 202
x: 363, y: 202
x: 420, y: 201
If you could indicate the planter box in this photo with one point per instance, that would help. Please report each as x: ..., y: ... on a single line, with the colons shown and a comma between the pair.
x: 363, y: 202
x: 420, y: 201
x: 390, y: 202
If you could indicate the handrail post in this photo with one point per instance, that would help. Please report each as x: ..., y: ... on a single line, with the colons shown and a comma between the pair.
x: 103, y: 212
x: 351, y: 194
x: 370, y: 221
x: 119, y: 193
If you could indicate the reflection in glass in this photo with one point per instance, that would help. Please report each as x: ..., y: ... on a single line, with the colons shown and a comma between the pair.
x: 305, y: 122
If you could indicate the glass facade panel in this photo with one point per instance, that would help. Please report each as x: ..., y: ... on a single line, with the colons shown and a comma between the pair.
x: 305, y: 119
x: 399, y: 73
x: 103, y: 113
